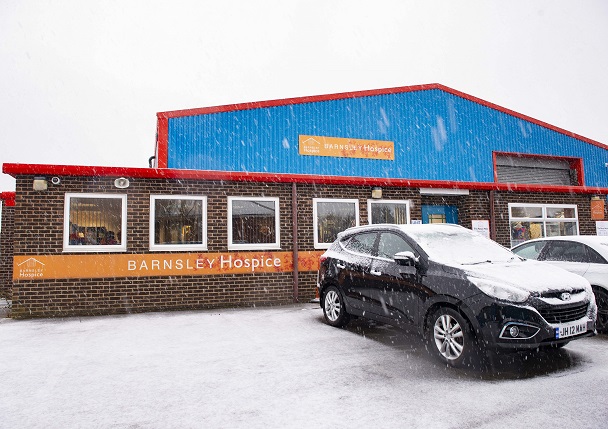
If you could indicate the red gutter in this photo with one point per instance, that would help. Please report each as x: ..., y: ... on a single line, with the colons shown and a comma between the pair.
x: 162, y: 173
x: 8, y: 198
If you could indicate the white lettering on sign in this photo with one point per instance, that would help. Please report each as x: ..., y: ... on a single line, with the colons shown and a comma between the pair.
x: 170, y: 264
x: 228, y: 262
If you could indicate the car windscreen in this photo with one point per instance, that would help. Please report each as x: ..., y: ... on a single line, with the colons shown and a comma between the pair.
x: 460, y: 246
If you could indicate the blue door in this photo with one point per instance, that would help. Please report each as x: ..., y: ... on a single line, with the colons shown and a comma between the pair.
x: 439, y: 214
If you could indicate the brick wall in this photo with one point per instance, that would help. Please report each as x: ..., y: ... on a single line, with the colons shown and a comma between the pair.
x: 6, y: 251
x: 38, y: 230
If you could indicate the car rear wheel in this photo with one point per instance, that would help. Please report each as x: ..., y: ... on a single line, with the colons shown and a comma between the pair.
x: 450, y: 338
x: 333, y: 307
x: 601, y: 299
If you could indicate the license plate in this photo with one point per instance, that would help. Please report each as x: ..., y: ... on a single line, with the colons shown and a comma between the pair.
x: 566, y: 330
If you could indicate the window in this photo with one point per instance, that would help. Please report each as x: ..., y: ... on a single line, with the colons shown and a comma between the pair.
x: 362, y: 243
x: 566, y: 251
x: 530, y: 250
x: 178, y: 222
x: 388, y: 211
x: 529, y: 221
x: 95, y: 222
x: 331, y: 217
x: 253, y: 223
x: 390, y: 244
x: 571, y: 252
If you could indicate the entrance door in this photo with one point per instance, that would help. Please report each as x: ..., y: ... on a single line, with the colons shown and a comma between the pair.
x: 439, y: 214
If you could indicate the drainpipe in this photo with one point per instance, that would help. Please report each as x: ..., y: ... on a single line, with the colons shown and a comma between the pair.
x: 492, y: 217
x: 294, y: 221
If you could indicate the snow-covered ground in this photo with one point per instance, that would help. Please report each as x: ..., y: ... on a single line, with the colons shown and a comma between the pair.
x: 279, y: 367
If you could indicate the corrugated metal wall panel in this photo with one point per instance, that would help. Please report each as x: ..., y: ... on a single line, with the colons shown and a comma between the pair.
x: 437, y: 136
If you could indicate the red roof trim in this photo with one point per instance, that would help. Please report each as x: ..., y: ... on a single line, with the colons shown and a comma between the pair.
x: 164, y: 116
x: 8, y: 198
x: 295, y: 100
x: 162, y: 142
x: 162, y: 173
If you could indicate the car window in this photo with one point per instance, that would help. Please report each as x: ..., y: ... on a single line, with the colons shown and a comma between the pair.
x: 568, y: 251
x: 361, y: 243
x: 390, y: 244
x: 530, y: 250
x: 594, y: 257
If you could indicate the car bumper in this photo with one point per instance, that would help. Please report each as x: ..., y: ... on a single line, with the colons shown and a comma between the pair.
x: 515, y: 327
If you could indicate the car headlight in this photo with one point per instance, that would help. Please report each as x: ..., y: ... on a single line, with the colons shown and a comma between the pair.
x: 500, y: 290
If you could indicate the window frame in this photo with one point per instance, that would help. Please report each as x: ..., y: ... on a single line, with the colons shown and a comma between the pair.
x: 543, y: 219
x: 315, y: 222
x: 370, y: 202
x: 255, y: 246
x: 152, y: 221
x: 97, y: 248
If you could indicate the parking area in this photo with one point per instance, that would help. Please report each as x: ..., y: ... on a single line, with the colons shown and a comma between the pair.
x: 279, y: 367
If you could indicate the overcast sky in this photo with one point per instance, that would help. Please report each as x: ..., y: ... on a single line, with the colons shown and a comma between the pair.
x: 81, y: 82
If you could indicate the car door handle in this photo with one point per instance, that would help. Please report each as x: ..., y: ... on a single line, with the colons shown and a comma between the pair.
x: 341, y: 266
x: 376, y: 273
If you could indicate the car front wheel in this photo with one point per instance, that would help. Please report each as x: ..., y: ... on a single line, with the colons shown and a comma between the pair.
x: 450, y: 338
x: 333, y: 307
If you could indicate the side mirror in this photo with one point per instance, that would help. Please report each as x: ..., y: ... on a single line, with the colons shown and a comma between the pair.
x: 406, y: 259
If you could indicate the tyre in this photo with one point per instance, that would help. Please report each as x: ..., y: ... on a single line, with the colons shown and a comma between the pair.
x: 449, y: 337
x: 601, y: 299
x: 333, y: 307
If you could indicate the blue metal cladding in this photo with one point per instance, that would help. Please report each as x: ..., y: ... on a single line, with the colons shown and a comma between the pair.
x: 437, y: 136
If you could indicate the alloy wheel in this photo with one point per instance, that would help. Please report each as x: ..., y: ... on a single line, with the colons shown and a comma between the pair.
x: 449, y: 337
x: 333, y: 305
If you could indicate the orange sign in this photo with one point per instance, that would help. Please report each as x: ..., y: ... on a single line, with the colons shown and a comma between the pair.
x: 597, y: 209
x: 346, y: 148
x: 158, y: 264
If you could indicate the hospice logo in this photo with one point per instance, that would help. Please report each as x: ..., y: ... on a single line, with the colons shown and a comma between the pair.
x: 30, y: 268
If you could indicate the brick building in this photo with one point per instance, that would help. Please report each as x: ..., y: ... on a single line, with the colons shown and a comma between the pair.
x: 241, y: 200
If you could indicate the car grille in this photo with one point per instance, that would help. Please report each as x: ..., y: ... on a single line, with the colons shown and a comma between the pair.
x: 558, y: 293
x: 564, y: 314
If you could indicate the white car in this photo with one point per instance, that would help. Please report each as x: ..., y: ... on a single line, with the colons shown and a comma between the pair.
x: 585, y: 255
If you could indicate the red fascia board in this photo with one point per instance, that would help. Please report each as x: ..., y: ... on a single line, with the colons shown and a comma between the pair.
x: 164, y: 116
x: 8, y: 198
x: 296, y: 100
x: 162, y: 142
x: 163, y: 173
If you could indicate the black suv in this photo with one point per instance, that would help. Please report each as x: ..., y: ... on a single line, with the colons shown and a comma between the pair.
x: 460, y: 289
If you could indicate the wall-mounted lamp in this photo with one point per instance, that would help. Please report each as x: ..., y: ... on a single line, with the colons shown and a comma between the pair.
x: 121, y: 183
x: 376, y: 193
x: 40, y: 184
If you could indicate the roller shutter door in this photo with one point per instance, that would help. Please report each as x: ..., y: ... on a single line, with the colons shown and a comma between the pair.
x: 512, y: 169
